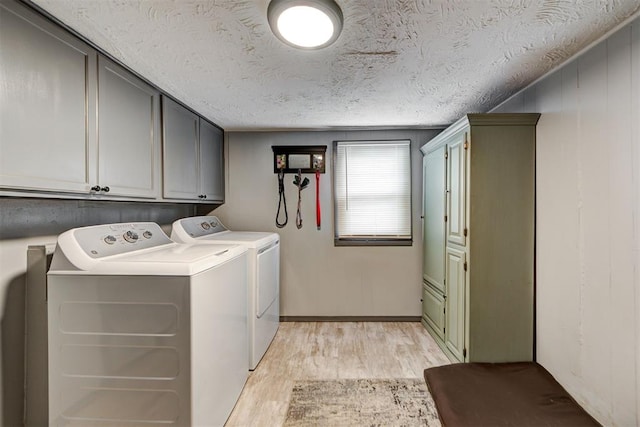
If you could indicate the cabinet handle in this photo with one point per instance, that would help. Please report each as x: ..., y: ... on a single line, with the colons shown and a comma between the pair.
x: 105, y: 189
x: 95, y: 188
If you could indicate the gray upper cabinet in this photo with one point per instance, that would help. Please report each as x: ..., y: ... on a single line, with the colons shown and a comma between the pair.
x: 47, y: 105
x: 192, y: 155
x: 128, y: 133
x: 75, y: 124
x: 180, y: 129
x: 211, y: 162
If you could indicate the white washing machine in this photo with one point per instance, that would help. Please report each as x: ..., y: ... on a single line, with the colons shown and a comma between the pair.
x: 264, y: 274
x: 145, y: 331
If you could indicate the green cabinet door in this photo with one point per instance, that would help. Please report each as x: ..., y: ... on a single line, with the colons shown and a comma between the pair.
x: 456, y: 189
x: 455, y: 302
x: 433, y: 208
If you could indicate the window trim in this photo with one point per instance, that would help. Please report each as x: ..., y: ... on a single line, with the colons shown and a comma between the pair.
x: 370, y: 240
x: 364, y: 241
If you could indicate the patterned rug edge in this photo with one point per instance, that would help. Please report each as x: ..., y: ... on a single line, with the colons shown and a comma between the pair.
x: 358, y: 402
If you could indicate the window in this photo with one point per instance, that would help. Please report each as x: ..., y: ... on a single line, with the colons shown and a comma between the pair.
x: 372, y: 191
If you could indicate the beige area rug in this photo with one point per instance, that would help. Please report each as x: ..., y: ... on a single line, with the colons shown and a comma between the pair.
x: 362, y: 402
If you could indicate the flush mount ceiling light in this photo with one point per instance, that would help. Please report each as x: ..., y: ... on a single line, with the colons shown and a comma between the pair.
x: 305, y: 24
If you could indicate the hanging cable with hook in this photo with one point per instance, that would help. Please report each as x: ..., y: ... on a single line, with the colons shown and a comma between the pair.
x: 282, y: 201
x: 301, y: 184
x: 298, y: 213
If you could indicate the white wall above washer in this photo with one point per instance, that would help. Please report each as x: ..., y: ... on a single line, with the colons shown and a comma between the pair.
x: 396, y: 63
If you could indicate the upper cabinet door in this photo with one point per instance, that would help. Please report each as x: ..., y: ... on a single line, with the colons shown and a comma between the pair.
x: 456, y: 179
x: 47, y: 105
x: 128, y: 132
x: 211, y: 162
x: 180, y: 151
x: 433, y: 199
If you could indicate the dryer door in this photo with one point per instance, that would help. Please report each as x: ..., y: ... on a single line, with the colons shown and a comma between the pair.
x: 267, y: 278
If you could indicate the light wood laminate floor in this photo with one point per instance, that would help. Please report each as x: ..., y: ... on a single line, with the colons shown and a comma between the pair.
x: 331, y: 350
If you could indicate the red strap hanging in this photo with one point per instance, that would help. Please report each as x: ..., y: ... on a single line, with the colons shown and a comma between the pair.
x: 318, y: 216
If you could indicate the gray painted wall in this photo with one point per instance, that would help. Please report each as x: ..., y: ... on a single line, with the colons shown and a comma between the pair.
x: 588, y: 238
x: 317, y: 278
x: 588, y: 257
x: 25, y: 222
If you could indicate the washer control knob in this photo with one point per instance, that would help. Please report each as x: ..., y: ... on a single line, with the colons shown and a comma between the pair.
x: 214, y: 223
x: 130, y: 236
x: 110, y: 240
x: 205, y: 226
x: 147, y: 234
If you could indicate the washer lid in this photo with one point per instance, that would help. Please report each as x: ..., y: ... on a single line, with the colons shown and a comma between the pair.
x: 171, y: 260
x: 176, y: 253
x: 209, y: 229
x: 114, y: 250
x: 251, y: 239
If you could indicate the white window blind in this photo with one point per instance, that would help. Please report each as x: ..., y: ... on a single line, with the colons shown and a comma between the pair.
x: 373, y: 190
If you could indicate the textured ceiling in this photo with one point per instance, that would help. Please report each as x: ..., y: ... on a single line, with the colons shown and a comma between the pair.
x: 397, y: 63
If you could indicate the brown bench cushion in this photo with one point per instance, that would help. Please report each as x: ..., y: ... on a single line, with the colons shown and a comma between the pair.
x: 502, y: 394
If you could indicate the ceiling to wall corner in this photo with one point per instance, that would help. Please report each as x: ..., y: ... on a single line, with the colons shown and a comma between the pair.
x: 397, y: 63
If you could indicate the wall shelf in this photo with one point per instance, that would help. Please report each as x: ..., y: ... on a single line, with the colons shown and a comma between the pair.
x: 306, y: 158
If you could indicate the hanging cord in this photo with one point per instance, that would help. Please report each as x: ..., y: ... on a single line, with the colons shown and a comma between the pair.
x: 301, y: 184
x: 318, y: 215
x: 299, y: 212
x: 282, y: 201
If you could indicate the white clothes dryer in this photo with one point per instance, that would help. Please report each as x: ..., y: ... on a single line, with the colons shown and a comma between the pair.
x: 143, y: 330
x: 264, y: 274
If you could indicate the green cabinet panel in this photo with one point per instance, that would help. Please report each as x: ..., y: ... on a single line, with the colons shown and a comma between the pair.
x: 433, y: 309
x: 455, y: 313
x: 485, y: 242
x: 456, y: 194
x: 433, y: 212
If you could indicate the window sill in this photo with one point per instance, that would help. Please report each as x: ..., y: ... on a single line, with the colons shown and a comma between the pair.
x: 372, y: 242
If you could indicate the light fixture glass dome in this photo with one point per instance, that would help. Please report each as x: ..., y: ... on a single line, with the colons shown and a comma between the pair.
x: 305, y: 24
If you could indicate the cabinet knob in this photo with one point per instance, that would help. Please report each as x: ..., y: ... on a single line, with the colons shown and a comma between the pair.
x: 105, y: 189
x: 95, y: 188
x: 204, y: 196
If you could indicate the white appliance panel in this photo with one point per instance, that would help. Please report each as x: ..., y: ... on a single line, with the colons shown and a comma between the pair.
x: 268, y: 279
x: 264, y: 274
x: 218, y: 313
x: 140, y: 347
x: 124, y: 380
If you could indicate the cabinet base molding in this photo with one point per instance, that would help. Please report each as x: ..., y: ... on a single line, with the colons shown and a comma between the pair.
x: 440, y: 342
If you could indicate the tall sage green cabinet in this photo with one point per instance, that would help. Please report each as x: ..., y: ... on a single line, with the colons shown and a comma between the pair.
x: 478, y: 238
